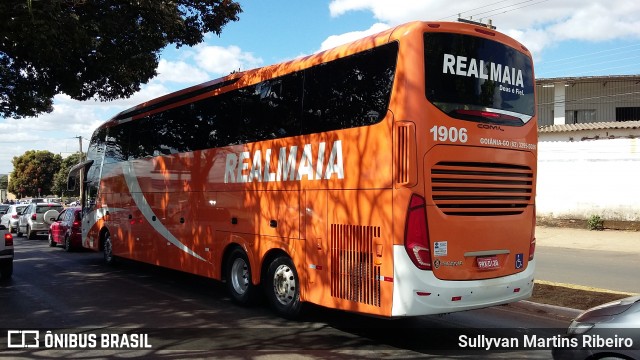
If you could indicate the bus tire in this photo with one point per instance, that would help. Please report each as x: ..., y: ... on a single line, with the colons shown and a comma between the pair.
x: 283, y: 287
x: 238, y: 278
x: 107, y: 250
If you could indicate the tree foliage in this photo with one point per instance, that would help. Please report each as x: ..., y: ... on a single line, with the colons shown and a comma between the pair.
x: 93, y: 48
x: 4, y: 182
x: 60, y: 178
x: 33, y: 173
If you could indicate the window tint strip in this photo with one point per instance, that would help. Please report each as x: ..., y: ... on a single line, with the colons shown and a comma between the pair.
x: 344, y: 93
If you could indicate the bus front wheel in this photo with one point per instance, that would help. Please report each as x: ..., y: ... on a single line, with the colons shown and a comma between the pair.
x: 283, y: 287
x: 238, y: 278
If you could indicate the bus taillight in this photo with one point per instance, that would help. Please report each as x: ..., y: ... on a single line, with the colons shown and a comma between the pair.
x: 532, y: 248
x: 416, y: 240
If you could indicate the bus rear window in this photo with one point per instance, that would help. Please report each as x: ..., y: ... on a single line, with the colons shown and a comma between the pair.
x: 476, y: 79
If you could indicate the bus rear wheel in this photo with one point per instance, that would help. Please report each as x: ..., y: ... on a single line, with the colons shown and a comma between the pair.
x: 107, y: 250
x: 283, y: 287
x: 238, y: 278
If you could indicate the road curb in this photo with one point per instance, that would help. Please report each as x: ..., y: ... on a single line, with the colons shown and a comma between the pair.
x: 559, y: 311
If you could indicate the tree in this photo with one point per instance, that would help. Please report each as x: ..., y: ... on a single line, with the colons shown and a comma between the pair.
x: 60, y: 178
x: 33, y: 173
x: 87, y: 49
x: 4, y: 182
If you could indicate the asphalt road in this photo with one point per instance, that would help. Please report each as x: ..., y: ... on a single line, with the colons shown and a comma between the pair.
x: 185, y: 316
x: 594, y: 268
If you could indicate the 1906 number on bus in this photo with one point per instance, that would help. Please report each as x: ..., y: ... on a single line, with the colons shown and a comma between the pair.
x: 453, y: 134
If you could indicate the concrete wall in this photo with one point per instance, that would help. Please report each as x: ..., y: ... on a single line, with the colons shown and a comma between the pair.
x: 583, y: 178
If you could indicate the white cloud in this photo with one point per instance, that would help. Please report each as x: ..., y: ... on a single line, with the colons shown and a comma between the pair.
x: 222, y: 61
x: 57, y: 131
x: 180, y: 72
x: 536, y: 23
x: 395, y: 12
x: 336, y: 40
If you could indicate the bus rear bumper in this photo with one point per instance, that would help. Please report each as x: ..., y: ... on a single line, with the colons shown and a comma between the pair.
x: 418, y: 292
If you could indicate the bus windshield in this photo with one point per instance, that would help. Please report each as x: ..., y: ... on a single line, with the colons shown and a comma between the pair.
x: 477, y: 79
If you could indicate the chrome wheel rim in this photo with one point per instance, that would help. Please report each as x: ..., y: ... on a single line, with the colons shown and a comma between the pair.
x: 284, y: 284
x: 240, y: 276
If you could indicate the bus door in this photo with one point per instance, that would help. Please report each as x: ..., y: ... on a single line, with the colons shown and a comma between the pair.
x: 316, y: 246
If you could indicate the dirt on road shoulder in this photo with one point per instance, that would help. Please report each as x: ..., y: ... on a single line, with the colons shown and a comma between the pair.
x: 573, y: 296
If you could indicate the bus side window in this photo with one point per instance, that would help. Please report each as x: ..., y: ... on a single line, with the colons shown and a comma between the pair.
x: 349, y: 92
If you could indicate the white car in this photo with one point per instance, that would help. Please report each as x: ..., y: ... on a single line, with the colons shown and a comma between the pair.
x: 11, y: 218
x: 37, y: 218
x: 6, y: 253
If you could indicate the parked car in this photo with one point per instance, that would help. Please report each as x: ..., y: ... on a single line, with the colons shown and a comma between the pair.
x: 6, y: 253
x: 4, y: 208
x: 10, y: 219
x: 66, y: 230
x: 36, y: 219
x: 607, y: 331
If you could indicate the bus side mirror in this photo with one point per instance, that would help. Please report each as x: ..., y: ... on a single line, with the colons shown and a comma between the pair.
x: 71, y: 183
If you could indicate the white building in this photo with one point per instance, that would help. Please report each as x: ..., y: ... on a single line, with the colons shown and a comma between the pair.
x: 589, y: 148
x: 577, y: 100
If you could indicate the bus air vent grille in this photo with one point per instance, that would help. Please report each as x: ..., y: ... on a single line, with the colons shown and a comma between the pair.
x: 481, y: 189
x: 402, y: 175
x: 354, y: 276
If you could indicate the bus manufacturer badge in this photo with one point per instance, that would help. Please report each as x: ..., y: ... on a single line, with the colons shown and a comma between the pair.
x: 440, y: 248
x: 437, y: 263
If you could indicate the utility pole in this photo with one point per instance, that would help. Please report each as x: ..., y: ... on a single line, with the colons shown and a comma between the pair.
x: 80, y: 142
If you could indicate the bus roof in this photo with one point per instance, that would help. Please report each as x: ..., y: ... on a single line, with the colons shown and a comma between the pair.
x: 245, y: 78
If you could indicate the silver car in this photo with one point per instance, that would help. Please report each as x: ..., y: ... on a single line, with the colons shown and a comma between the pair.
x: 36, y: 219
x: 609, y: 331
x: 10, y: 219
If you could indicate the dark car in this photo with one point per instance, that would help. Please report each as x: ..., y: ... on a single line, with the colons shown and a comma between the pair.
x: 610, y: 331
x: 6, y: 253
x: 66, y: 230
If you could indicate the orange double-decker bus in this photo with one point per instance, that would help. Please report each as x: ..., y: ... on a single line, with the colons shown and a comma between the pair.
x: 392, y: 176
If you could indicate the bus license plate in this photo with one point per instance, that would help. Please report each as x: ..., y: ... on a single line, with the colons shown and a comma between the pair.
x: 488, y: 262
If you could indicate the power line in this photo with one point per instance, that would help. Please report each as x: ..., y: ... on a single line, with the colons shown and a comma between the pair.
x: 510, y: 10
x: 609, y: 56
x: 478, y: 8
x: 504, y: 7
x: 593, y: 53
x: 605, y: 62
x: 589, y: 98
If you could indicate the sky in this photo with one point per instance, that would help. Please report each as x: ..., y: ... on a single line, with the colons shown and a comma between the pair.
x: 567, y: 38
